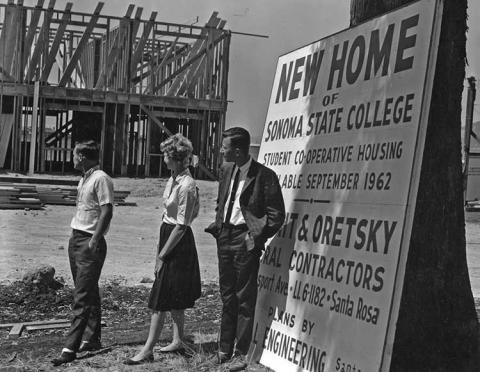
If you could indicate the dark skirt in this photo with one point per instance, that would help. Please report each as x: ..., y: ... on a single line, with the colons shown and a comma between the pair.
x: 177, y: 285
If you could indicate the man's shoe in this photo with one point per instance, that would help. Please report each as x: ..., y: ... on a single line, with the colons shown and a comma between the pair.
x: 65, y: 357
x: 238, y: 363
x: 89, y: 346
x: 220, y: 358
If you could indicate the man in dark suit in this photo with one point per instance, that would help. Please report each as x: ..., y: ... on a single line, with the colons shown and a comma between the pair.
x: 250, y: 210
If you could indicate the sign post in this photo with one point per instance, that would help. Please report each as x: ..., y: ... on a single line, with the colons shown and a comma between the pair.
x: 345, y: 131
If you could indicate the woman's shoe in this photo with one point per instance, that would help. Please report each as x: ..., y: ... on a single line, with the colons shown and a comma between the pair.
x: 179, y: 349
x: 131, y: 362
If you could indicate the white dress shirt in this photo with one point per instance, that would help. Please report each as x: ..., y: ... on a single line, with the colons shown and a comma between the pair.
x: 237, y: 217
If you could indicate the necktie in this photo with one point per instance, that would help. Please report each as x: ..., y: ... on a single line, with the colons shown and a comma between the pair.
x: 232, y: 195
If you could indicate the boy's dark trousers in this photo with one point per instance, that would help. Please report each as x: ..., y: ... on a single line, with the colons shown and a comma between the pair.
x: 86, y: 265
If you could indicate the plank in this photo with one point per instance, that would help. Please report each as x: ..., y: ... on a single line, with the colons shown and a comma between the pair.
x: 5, y: 133
x: 41, y: 41
x: 81, y: 44
x: 189, y: 62
x: 115, y: 49
x: 32, y: 29
x: 155, y: 120
x: 213, y: 22
x: 35, y: 322
x: 163, y: 63
x: 137, y: 54
x: 47, y: 326
x: 8, y: 36
x: 56, y: 42
x: 136, y: 22
x: 16, y: 330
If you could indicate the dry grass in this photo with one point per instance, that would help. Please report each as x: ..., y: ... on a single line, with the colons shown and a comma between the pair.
x: 127, y: 319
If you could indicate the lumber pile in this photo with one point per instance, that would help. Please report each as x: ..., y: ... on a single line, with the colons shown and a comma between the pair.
x: 13, y: 198
x: 21, y: 196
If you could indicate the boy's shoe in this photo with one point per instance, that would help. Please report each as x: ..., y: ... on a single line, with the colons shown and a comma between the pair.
x: 89, y: 346
x: 65, y: 357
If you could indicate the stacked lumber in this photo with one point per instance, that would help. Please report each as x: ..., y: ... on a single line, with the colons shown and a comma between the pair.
x: 57, y: 195
x: 13, y: 198
x: 20, y: 196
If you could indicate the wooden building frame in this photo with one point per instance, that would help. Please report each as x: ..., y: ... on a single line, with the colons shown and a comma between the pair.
x: 126, y: 82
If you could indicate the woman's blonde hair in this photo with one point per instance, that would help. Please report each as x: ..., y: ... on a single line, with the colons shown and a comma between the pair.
x: 177, y: 147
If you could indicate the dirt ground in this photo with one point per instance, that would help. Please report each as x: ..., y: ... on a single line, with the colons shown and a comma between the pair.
x: 28, y: 238
x: 31, y: 238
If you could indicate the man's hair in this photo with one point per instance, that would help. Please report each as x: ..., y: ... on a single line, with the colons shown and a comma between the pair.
x: 239, y: 137
x: 89, y: 149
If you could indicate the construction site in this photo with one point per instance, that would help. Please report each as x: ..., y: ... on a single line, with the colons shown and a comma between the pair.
x: 127, y: 82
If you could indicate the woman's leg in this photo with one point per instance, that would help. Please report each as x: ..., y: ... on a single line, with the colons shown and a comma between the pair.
x: 178, y: 317
x: 156, y: 325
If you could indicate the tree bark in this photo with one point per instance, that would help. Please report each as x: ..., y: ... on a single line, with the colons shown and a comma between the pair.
x: 437, y: 328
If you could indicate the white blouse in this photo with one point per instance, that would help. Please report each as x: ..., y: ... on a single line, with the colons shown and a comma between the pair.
x: 180, y: 200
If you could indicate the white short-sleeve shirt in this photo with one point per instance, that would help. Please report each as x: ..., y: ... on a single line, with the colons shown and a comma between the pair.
x: 94, y: 190
x: 180, y: 200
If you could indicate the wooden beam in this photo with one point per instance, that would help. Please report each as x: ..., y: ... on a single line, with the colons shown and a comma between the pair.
x: 147, y: 28
x: 72, y: 22
x: 56, y: 43
x: 165, y: 60
x: 189, y: 82
x: 81, y: 44
x: 38, y: 322
x: 32, y: 29
x: 8, y: 36
x: 104, y: 75
x: 6, y: 75
x: 193, y: 79
x: 129, y: 11
x: 152, y: 117
x: 65, y: 106
x: 136, y: 22
x: 88, y: 95
x: 115, y: 49
x: 178, y: 115
x: 192, y: 60
x: 7, y: 121
x: 59, y: 57
x: 37, y: 51
x: 213, y: 22
x: 33, y: 136
x: 162, y: 64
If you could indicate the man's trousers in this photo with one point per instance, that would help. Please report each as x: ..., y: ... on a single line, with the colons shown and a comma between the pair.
x: 238, y: 270
x: 86, y: 265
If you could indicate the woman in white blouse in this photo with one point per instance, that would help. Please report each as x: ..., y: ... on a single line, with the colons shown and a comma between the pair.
x: 177, y: 274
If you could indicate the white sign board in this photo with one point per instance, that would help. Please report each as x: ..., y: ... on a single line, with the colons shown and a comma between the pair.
x: 344, y: 131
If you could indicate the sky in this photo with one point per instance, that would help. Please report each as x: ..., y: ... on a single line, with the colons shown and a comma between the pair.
x: 288, y: 23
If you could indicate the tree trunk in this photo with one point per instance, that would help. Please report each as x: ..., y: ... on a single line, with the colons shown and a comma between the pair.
x: 437, y: 328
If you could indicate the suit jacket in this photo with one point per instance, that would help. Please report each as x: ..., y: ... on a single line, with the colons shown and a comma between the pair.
x: 261, y: 202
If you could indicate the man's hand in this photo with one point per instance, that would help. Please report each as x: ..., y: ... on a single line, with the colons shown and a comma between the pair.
x: 158, y: 266
x: 249, y: 241
x: 93, y: 243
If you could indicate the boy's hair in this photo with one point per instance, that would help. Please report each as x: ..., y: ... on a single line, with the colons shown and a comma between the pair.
x: 239, y: 137
x: 89, y: 149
